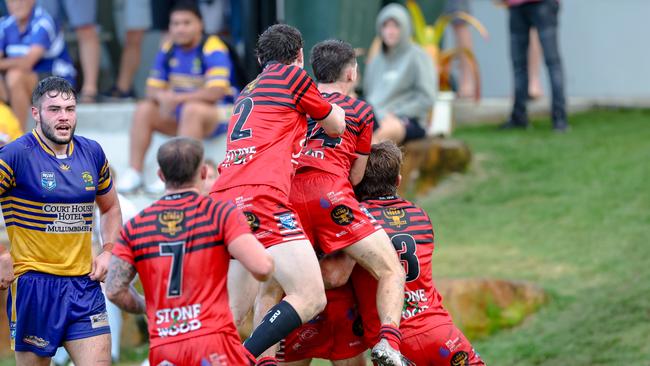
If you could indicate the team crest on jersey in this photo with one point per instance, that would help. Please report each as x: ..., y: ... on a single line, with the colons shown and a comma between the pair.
x: 36, y: 341
x: 48, y: 180
x: 196, y: 66
x: 64, y: 167
x: 342, y: 215
x: 252, y: 220
x: 88, y: 181
x: 460, y: 358
x: 287, y: 221
x: 394, y: 216
x: 172, y: 222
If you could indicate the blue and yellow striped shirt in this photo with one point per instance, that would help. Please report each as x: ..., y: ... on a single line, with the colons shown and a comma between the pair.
x: 48, y: 202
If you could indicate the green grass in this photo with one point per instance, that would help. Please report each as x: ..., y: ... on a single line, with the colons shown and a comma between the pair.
x: 569, y: 212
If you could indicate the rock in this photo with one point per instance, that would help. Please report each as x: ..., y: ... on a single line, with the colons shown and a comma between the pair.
x: 482, y: 306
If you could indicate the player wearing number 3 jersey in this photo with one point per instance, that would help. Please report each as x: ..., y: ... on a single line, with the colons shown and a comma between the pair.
x: 429, y: 335
x: 181, y: 246
x: 264, y: 139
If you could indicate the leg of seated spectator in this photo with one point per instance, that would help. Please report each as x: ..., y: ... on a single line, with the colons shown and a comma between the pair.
x: 130, y: 60
x: 21, y: 83
x: 376, y: 254
x: 198, y: 120
x: 358, y: 360
x: 4, y: 93
x: 242, y: 290
x: 390, y: 128
x: 31, y: 359
x: 146, y: 120
x: 464, y: 41
x: 91, y: 351
x: 89, y: 49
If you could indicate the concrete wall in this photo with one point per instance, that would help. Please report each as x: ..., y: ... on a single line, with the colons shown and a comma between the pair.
x: 603, y: 44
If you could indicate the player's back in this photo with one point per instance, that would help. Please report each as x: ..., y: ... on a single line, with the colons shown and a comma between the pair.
x: 336, y: 155
x: 267, y: 126
x: 179, y: 252
x: 411, y: 233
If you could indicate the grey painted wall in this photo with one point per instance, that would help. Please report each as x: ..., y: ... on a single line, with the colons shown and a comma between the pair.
x: 604, y: 45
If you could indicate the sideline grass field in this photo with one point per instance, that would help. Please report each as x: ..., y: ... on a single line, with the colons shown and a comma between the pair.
x: 570, y: 212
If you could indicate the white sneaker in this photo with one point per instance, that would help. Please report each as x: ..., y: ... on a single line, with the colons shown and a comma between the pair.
x: 129, y: 181
x: 157, y: 188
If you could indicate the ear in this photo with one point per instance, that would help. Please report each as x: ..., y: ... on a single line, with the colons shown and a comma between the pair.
x: 204, y: 172
x: 161, y: 176
x: 300, y: 60
x: 35, y: 115
x: 259, y: 61
x: 399, y: 180
x: 352, y: 73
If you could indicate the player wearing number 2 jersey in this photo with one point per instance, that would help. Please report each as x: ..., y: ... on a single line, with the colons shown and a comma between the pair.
x: 264, y: 135
x: 322, y: 191
x: 181, y: 246
x: 429, y: 335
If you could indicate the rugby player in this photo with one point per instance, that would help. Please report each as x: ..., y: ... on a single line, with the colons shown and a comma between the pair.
x: 264, y: 135
x: 49, y: 181
x: 180, y: 247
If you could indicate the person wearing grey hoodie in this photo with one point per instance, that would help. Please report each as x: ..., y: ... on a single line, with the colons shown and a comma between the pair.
x: 400, y: 81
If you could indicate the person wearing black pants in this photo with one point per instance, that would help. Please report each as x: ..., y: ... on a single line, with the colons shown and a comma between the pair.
x: 542, y: 15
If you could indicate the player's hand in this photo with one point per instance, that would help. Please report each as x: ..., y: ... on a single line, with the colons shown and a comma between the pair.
x: 100, y: 266
x: 6, y: 270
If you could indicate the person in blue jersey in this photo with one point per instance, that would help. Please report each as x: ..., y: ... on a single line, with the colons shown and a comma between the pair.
x: 31, y: 47
x: 50, y: 180
x: 190, y: 75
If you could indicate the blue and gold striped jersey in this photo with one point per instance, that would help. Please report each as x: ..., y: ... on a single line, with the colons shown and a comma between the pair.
x: 48, y: 201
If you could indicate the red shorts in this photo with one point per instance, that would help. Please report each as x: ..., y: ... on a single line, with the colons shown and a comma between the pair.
x: 213, y: 349
x: 271, y: 218
x: 442, y: 345
x: 330, y: 335
x: 331, y: 215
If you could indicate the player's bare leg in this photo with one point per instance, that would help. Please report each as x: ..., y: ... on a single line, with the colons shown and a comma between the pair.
x: 358, y: 360
x: 304, y: 362
x: 31, y: 359
x: 92, y: 351
x: 298, y: 273
x: 376, y: 254
x: 242, y: 290
x: 270, y: 293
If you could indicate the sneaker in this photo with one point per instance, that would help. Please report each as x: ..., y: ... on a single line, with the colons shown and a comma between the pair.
x: 511, y: 125
x: 116, y: 95
x: 384, y: 355
x: 156, y: 188
x: 129, y: 181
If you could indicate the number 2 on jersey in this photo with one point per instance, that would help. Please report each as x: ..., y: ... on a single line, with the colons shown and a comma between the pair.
x: 406, y: 247
x: 176, y: 250
x: 242, y: 110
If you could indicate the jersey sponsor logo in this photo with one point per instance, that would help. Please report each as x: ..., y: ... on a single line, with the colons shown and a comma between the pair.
x: 172, y: 222
x: 48, y: 180
x: 36, y: 341
x: 453, y: 344
x: 88, y: 181
x: 415, y: 302
x: 342, y: 215
x: 183, y: 319
x: 252, y: 220
x: 99, y: 320
x: 460, y: 358
x: 394, y: 216
x: 317, y: 154
x: 239, y: 156
x: 69, y: 218
x: 367, y: 213
x: 287, y: 221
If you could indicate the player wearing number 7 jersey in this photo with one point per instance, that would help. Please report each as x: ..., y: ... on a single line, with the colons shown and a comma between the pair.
x: 181, y: 246
x: 264, y: 139
x: 429, y: 335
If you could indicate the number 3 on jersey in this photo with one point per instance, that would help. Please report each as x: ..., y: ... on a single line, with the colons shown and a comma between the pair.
x: 406, y: 247
x: 242, y: 110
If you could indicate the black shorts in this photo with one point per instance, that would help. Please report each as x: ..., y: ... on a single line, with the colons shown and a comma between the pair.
x: 413, y: 129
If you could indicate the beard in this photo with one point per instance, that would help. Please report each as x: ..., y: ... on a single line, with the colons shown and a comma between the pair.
x: 50, y: 132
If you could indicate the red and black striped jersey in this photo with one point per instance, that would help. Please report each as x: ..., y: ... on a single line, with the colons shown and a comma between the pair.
x: 336, y: 155
x: 267, y: 127
x: 411, y: 233
x: 178, y: 245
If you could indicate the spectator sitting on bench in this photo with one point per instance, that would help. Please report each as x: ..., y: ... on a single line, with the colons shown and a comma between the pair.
x: 190, y: 75
x: 400, y: 81
x: 31, y: 48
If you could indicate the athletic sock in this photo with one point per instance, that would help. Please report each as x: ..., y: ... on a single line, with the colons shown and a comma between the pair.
x: 276, y: 325
x: 267, y: 361
x: 391, y: 334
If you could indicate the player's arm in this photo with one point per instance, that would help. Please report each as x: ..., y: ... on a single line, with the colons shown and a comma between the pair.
x: 110, y: 218
x: 334, y: 122
x: 26, y: 62
x: 119, y: 289
x: 336, y: 269
x: 358, y: 169
x: 6, y: 268
x: 252, y: 255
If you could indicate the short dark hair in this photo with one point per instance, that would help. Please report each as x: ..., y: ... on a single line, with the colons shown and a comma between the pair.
x: 179, y: 160
x: 52, y: 86
x: 279, y: 42
x: 329, y: 58
x: 190, y: 6
x: 382, y: 171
